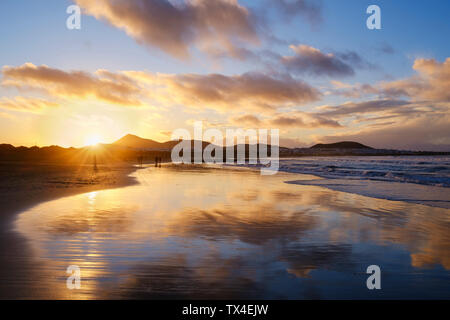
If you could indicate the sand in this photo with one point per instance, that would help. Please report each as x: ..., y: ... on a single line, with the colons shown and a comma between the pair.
x: 23, y: 185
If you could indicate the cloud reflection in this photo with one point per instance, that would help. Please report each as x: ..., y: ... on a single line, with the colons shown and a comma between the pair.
x: 171, y: 238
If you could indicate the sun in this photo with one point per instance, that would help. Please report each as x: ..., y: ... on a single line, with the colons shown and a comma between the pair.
x: 92, y: 140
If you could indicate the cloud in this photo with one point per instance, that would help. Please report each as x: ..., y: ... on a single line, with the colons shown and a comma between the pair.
x: 104, y: 86
x: 22, y: 104
x: 352, y: 90
x: 92, y: 120
x: 166, y: 134
x: 220, y: 28
x: 312, y: 10
x: 431, y: 83
x: 355, y: 60
x: 422, y: 132
x: 247, y: 120
x: 309, y: 60
x: 302, y: 120
x: 353, y: 108
x: 385, y: 48
x: 293, y: 143
x: 295, y: 119
x: 394, y: 124
x: 177, y: 27
x: 256, y: 91
x: 419, y: 122
x: 6, y: 115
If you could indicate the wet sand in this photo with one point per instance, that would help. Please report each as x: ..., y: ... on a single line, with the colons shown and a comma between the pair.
x: 186, y: 232
x: 397, y: 191
x: 24, y: 185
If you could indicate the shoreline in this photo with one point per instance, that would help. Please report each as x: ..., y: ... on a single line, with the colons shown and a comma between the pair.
x: 25, y: 185
x: 434, y: 196
x: 431, y: 196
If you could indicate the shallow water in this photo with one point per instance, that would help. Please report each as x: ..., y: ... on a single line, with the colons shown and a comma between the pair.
x: 232, y: 233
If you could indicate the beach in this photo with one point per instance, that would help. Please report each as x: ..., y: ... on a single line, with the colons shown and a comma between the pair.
x: 24, y: 185
x: 227, y: 233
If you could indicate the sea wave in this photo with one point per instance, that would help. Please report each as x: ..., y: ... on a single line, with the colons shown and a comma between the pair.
x: 426, y: 170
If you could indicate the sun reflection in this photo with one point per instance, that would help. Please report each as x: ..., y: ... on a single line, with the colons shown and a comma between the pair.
x: 92, y: 196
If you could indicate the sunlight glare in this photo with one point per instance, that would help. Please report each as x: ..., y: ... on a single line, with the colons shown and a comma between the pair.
x: 93, y: 140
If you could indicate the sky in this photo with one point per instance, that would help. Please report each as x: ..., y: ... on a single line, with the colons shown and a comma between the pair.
x: 311, y: 69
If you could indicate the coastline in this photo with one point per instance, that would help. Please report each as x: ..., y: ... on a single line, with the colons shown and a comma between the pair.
x: 431, y: 196
x: 419, y: 180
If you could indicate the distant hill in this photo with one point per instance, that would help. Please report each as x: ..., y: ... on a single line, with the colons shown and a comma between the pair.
x: 340, y: 145
x: 135, y: 142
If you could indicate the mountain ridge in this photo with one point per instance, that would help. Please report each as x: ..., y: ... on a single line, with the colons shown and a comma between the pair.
x: 131, y: 147
x: 341, y: 145
x: 133, y: 141
x: 136, y: 142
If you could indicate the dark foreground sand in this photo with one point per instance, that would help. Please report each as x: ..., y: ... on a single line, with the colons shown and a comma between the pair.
x: 23, y: 185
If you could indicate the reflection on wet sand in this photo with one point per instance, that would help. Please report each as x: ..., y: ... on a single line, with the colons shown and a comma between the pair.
x: 225, y: 233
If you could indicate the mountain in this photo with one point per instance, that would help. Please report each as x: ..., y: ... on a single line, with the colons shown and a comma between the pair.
x: 135, y: 142
x: 340, y: 145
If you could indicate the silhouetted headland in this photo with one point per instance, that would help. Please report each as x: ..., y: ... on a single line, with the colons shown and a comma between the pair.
x: 133, y: 149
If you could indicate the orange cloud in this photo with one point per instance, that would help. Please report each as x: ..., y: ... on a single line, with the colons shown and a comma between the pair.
x: 23, y: 104
x: 352, y: 90
x: 431, y: 83
x: 302, y: 120
x: 104, y: 86
x: 296, y: 119
x: 426, y: 131
x: 372, y: 106
x: 254, y: 91
x: 247, y: 120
